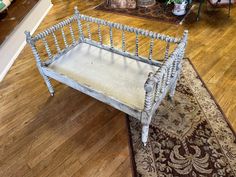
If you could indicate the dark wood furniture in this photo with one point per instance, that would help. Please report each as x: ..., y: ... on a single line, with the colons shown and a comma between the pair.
x: 218, y: 3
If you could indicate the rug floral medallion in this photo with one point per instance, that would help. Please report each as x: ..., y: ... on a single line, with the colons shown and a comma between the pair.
x: 188, y: 137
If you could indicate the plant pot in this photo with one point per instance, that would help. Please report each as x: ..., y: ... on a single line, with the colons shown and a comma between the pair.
x: 179, y: 9
x: 4, y: 5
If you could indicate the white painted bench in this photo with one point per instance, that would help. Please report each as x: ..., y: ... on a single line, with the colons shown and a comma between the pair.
x: 127, y: 81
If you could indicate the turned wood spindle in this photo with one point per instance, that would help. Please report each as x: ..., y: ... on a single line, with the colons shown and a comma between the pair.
x: 111, y: 36
x: 123, y: 40
x: 56, y: 42
x: 151, y: 49
x: 89, y: 31
x: 167, y: 50
x: 99, y: 34
x: 64, y: 38
x: 47, y: 48
x: 78, y: 16
x: 136, y: 44
x: 72, y: 34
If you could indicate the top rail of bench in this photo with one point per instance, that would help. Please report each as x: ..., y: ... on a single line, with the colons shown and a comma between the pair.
x: 78, y: 16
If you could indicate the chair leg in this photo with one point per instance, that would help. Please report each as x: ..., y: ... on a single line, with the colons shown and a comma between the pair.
x: 145, y: 130
x: 199, y: 9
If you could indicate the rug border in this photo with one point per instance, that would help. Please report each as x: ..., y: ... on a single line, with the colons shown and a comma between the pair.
x: 213, y: 98
x: 131, y: 149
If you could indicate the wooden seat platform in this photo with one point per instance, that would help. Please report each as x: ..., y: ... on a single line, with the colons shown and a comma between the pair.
x: 111, y: 74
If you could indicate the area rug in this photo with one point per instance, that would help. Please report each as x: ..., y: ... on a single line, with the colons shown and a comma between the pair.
x: 160, y: 12
x: 189, y: 137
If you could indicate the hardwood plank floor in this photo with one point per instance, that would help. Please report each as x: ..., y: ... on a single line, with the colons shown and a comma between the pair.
x: 72, y: 134
x: 13, y: 16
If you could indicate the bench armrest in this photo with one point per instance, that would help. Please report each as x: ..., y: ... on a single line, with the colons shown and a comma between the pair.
x: 158, y: 84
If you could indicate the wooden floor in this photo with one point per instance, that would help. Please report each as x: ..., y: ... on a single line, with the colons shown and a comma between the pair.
x: 72, y: 134
x: 13, y: 16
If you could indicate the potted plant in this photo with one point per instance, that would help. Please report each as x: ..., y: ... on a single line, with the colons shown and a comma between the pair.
x: 179, y: 6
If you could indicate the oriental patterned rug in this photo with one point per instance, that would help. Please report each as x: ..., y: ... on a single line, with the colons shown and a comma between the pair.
x: 160, y: 12
x: 189, y: 137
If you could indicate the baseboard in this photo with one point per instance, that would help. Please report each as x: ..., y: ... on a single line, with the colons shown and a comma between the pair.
x: 30, y: 23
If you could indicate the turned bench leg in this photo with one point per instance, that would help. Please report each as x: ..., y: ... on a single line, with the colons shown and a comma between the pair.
x: 145, y: 130
x: 172, y: 89
x: 47, y: 82
x: 38, y: 61
x: 49, y: 85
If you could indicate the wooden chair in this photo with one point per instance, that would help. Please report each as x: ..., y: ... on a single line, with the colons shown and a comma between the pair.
x: 216, y: 4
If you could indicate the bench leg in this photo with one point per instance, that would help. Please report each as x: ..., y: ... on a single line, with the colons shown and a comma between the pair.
x: 145, y: 130
x: 47, y: 82
x: 49, y: 85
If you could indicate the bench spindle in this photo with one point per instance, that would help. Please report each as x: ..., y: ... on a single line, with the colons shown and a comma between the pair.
x: 158, y: 91
x: 64, y: 38
x: 123, y: 40
x: 81, y: 34
x: 56, y: 42
x: 148, y: 86
x: 89, y: 31
x: 72, y: 34
x: 167, y: 50
x: 173, y: 71
x: 168, y: 75
x: 111, y: 37
x: 163, y: 83
x: 99, y: 34
x: 136, y: 44
x: 47, y: 48
x: 151, y: 49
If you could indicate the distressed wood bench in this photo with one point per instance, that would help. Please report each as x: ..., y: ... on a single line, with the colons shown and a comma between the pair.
x: 127, y: 81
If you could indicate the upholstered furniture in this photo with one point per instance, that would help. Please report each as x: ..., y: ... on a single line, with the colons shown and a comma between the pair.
x: 127, y: 81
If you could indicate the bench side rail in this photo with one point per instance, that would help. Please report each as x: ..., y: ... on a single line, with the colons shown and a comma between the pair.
x: 163, y: 81
x: 52, y: 31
